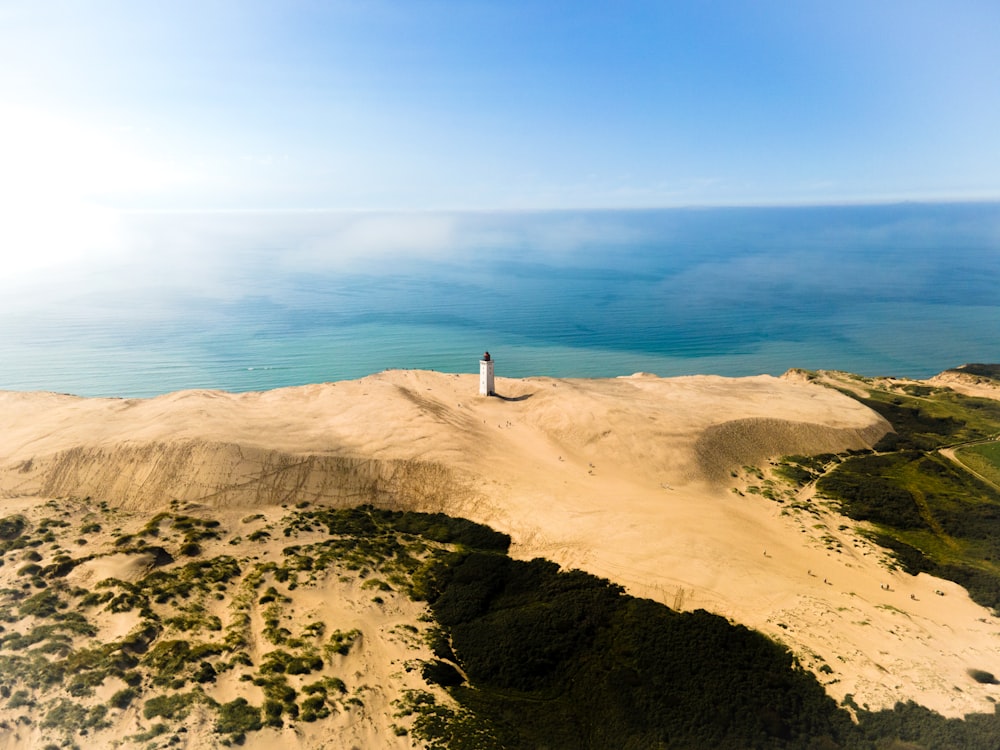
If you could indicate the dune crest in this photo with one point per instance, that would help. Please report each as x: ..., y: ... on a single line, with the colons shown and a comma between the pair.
x: 423, y: 439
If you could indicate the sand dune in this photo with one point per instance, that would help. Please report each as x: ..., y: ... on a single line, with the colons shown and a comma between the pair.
x: 628, y: 478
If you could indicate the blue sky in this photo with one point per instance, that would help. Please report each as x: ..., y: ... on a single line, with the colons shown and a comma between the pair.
x: 418, y: 105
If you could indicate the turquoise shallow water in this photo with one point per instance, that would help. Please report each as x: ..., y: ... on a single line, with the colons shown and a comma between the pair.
x: 254, y: 301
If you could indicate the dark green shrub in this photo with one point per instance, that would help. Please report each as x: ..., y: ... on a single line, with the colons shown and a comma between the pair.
x: 44, y: 604
x: 20, y: 698
x: 238, y: 717
x: 275, y: 662
x: 797, y: 475
x: 272, y: 713
x: 205, y: 673
x: 11, y: 527
x: 140, y: 638
x: 271, y: 595
x: 168, y: 660
x: 65, y: 715
x: 341, y: 642
x: 96, y: 718
x: 123, y: 698
x: 325, y: 686
x: 61, y: 566
x: 173, y: 706
x: 132, y: 678
x: 564, y: 659
x: 314, y: 708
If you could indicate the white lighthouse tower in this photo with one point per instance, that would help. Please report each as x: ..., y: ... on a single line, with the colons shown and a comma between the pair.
x: 486, y: 376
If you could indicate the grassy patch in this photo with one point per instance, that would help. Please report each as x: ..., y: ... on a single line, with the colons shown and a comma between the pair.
x: 238, y: 717
x: 171, y: 706
x: 943, y: 417
x: 983, y: 459
x: 984, y: 371
x: 932, y: 513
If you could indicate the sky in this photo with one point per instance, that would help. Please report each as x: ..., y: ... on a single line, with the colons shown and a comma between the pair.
x: 428, y: 105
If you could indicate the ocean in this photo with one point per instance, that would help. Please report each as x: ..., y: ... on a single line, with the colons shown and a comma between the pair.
x: 244, y: 301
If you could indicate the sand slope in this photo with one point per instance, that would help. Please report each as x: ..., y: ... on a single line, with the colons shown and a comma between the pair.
x: 628, y: 478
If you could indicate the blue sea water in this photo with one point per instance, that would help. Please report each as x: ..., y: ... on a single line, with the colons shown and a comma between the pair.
x: 252, y: 301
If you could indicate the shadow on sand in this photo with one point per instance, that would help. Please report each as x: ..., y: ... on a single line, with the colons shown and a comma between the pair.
x: 525, y: 397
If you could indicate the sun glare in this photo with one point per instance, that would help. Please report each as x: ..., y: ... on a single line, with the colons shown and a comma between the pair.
x: 59, y: 185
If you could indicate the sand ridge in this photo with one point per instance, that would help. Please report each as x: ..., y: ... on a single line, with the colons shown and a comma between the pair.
x: 628, y: 478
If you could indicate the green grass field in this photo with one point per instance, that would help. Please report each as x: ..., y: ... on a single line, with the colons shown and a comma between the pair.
x: 983, y: 459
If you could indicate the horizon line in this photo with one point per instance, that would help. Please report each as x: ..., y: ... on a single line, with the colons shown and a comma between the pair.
x: 579, y: 209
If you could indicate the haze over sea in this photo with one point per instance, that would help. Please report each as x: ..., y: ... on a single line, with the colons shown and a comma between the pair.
x: 250, y: 301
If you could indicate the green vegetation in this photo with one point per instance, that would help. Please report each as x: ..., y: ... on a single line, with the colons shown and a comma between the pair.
x: 172, y: 663
x: 172, y: 705
x: 987, y: 372
x: 340, y: 642
x: 913, y: 727
x: 800, y: 470
x: 942, y: 417
x: 123, y: 698
x: 73, y: 717
x: 11, y: 528
x: 563, y: 659
x: 984, y: 459
x: 932, y: 513
x: 152, y: 733
x: 237, y: 718
x: 367, y: 522
x: 194, y: 616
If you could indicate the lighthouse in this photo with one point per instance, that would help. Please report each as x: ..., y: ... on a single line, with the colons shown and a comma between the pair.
x: 486, y: 376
